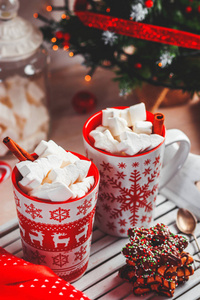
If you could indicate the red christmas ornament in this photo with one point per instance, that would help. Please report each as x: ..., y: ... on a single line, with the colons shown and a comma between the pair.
x: 138, y: 65
x: 83, y: 102
x: 59, y: 35
x: 65, y: 44
x: 149, y: 3
x: 66, y: 36
x: 188, y: 9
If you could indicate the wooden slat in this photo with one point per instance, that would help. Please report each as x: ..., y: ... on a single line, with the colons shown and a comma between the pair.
x: 10, y: 237
x: 164, y: 208
x: 102, y: 243
x: 9, y: 226
x: 105, y: 285
x: 106, y: 253
x: 160, y: 199
x: 103, y: 271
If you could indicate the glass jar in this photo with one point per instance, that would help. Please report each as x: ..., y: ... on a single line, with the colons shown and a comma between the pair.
x: 24, y: 98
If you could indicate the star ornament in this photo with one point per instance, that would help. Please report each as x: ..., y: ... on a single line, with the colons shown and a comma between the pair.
x: 138, y: 12
x: 109, y: 37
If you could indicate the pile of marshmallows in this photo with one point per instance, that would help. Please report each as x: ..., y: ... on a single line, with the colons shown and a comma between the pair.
x: 125, y: 131
x: 21, y: 106
x: 55, y: 175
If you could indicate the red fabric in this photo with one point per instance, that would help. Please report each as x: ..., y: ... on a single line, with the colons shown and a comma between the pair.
x: 136, y: 29
x: 22, y: 280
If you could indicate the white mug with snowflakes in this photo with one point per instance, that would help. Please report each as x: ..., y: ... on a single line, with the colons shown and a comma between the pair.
x: 129, y: 184
x: 57, y: 234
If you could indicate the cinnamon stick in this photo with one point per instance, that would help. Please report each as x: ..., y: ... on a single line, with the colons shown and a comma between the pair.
x: 18, y: 151
x: 158, y: 123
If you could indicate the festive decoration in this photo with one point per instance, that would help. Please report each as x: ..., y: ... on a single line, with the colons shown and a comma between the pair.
x: 102, y: 30
x: 54, y: 235
x: 84, y: 102
x: 23, y: 280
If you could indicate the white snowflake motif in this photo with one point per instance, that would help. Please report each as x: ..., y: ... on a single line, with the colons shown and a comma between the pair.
x: 109, y: 37
x: 138, y: 12
x: 83, y: 209
x: 60, y: 214
x: 165, y: 59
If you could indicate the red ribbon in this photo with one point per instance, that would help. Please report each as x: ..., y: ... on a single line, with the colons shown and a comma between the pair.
x: 21, y: 280
x: 137, y: 30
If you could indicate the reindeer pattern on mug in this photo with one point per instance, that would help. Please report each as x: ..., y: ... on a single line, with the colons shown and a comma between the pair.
x: 57, y: 235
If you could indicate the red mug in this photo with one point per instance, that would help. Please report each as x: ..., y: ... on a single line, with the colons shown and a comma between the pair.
x: 129, y: 184
x: 57, y: 234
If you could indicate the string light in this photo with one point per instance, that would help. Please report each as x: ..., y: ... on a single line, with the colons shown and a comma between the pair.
x: 108, y: 9
x: 53, y: 40
x: 88, y: 78
x: 160, y: 64
x: 71, y: 54
x: 63, y: 16
x: 55, y: 47
x: 35, y: 15
x: 66, y: 48
x: 49, y: 8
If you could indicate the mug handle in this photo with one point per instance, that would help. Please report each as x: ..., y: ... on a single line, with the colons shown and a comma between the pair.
x: 176, y: 162
x: 5, y: 171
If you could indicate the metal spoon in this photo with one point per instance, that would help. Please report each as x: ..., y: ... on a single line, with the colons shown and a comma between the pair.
x: 186, y: 223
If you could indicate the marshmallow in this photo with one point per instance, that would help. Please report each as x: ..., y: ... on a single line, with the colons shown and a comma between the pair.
x: 59, y: 175
x: 109, y: 113
x: 137, y: 112
x: 44, y: 165
x: 56, y: 191
x: 89, y: 181
x: 72, y: 172
x: 68, y: 156
x: 131, y: 144
x: 104, y: 141
x: 101, y: 128
x: 20, y: 106
x: 156, y: 140
x: 143, y: 127
x: 16, y: 80
x: 7, y: 118
x: 146, y: 142
x: 125, y: 115
x: 30, y: 142
x: 83, y: 167
x: 77, y: 191
x: 35, y: 93
x: 54, y: 160
x: 27, y: 166
x: 44, y: 149
x: 116, y: 125
x: 30, y: 182
x: 38, y: 116
x: 34, y: 172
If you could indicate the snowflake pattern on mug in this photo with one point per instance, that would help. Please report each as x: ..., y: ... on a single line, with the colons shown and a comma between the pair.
x: 127, y: 198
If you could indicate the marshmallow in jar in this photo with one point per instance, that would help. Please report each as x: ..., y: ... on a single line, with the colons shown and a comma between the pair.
x: 24, y: 114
